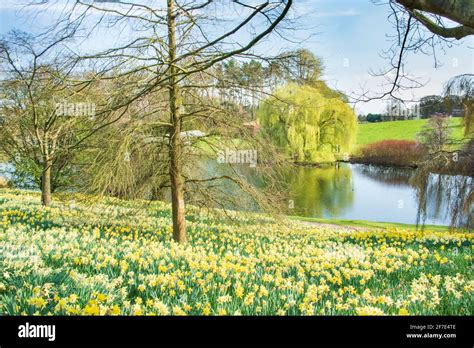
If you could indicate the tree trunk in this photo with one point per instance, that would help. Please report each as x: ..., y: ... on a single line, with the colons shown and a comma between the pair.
x: 175, y: 100
x: 46, y: 182
x: 468, y: 119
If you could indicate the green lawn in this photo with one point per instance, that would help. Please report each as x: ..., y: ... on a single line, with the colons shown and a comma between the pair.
x: 401, y: 130
x: 371, y: 224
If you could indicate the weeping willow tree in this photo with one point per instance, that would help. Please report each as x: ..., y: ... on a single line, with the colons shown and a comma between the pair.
x: 308, y: 124
x: 462, y: 87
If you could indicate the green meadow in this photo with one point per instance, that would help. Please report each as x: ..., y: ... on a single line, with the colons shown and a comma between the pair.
x: 401, y: 130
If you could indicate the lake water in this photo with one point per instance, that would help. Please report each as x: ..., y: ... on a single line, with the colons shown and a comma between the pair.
x: 363, y: 192
x: 6, y: 170
x: 359, y: 192
x: 355, y: 192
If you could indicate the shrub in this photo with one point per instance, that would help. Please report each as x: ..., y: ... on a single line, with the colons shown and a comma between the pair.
x: 374, y: 118
x: 393, y: 152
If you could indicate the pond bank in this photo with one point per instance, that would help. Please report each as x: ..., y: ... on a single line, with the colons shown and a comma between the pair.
x: 366, y: 225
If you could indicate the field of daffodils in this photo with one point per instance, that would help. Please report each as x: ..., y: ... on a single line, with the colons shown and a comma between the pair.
x: 91, y: 256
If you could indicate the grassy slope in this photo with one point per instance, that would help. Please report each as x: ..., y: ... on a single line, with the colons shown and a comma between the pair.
x: 369, y: 224
x: 401, y: 130
x: 87, y: 262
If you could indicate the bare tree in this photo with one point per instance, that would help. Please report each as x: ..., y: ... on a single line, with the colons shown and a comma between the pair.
x: 462, y: 86
x: 27, y: 89
x: 421, y: 28
x: 433, y: 14
x: 173, y: 47
x: 46, y: 121
x: 435, y: 135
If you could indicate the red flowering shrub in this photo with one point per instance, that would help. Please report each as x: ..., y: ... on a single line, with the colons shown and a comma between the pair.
x: 393, y: 152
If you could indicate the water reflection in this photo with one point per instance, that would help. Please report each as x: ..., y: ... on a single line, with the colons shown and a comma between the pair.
x: 6, y: 170
x: 363, y: 192
x: 316, y: 192
x: 445, y: 197
x: 347, y: 191
x: 386, y: 175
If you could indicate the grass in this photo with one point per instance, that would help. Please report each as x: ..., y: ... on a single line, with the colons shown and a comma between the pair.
x: 401, y: 130
x: 102, y: 256
x: 371, y: 224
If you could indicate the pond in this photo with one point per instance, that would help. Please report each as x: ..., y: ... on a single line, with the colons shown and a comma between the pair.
x: 354, y: 192
x: 364, y: 192
x: 6, y: 170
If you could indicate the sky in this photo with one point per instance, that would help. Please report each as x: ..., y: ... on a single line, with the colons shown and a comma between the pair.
x: 349, y: 36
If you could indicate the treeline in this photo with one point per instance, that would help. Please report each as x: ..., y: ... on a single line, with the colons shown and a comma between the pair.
x: 455, y: 101
x: 245, y: 83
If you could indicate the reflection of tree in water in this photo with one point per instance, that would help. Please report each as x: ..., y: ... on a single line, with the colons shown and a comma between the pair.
x: 314, y: 191
x: 319, y: 190
x: 227, y: 194
x: 445, y: 194
x: 386, y: 175
x: 328, y: 191
x: 445, y: 197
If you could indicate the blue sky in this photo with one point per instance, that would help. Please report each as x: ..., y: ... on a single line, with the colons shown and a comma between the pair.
x: 349, y: 35
x: 355, y: 31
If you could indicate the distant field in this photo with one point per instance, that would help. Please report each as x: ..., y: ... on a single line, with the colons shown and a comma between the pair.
x: 401, y: 130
